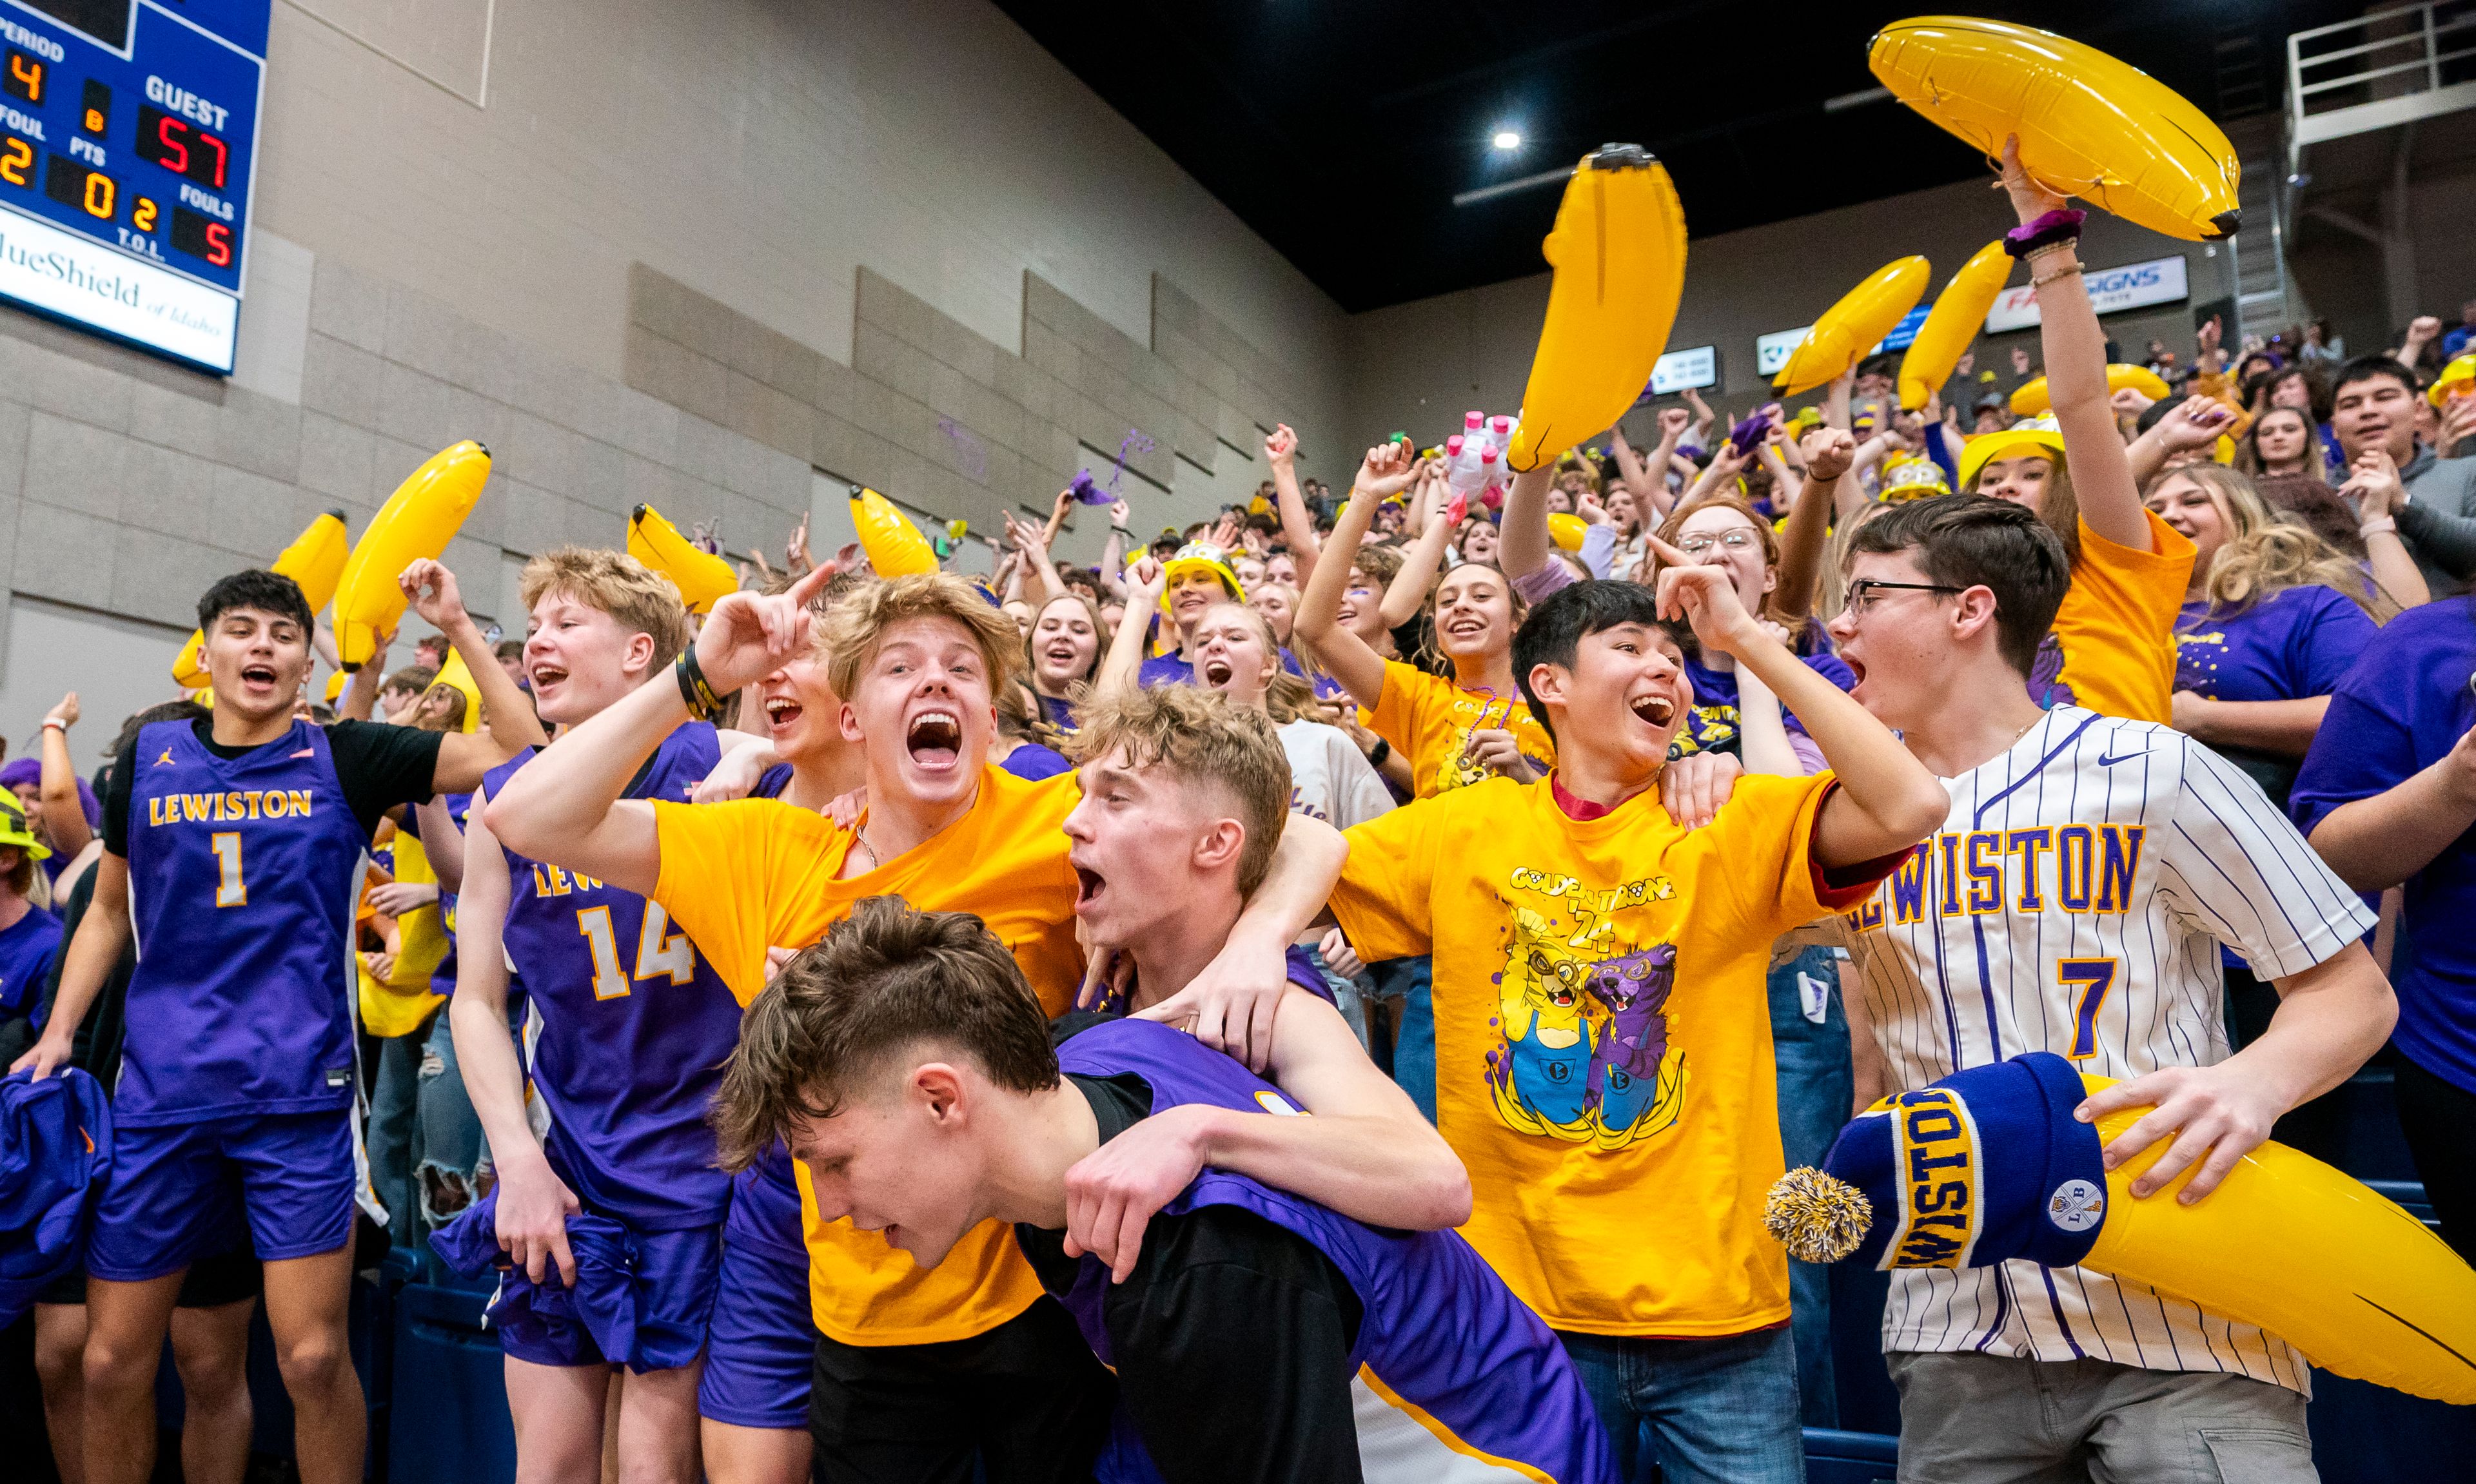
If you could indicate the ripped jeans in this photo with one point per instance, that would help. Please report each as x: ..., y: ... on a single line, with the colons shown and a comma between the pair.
x: 447, y: 1148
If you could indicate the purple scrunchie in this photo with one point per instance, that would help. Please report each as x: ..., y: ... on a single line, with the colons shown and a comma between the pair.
x: 19, y: 771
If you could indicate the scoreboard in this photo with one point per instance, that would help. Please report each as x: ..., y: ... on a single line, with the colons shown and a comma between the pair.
x: 128, y: 134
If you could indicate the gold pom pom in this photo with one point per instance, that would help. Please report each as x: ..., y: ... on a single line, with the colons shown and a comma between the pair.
x: 1818, y: 1217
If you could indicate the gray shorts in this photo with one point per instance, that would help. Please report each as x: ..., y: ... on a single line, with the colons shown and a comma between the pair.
x: 1970, y: 1418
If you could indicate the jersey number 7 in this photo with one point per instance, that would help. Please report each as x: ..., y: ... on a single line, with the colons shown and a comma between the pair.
x: 2095, y: 977
x: 659, y: 951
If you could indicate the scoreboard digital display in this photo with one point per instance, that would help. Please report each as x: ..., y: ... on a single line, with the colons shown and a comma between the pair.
x: 128, y: 131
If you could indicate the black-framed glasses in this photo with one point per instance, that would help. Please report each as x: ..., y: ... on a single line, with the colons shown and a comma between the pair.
x: 1862, y: 593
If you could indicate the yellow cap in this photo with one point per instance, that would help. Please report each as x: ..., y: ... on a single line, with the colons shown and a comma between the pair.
x: 2029, y: 436
x: 1912, y: 479
x: 1205, y: 555
x: 13, y: 829
x: 2457, y: 380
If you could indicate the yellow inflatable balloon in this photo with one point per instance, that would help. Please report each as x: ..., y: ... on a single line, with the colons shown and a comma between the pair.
x: 315, y: 560
x: 1618, y: 250
x: 894, y: 546
x: 417, y: 521
x: 1952, y: 324
x: 1565, y: 530
x: 2031, y: 400
x: 2286, y: 1243
x: 2090, y: 126
x: 701, y: 576
x: 1850, y: 330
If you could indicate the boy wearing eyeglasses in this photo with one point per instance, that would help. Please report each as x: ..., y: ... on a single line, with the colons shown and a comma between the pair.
x: 2073, y: 901
x: 1603, y: 1053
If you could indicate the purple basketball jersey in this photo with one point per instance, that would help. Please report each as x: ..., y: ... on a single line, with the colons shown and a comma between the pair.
x: 243, y: 872
x: 1453, y: 1370
x: 636, y: 1023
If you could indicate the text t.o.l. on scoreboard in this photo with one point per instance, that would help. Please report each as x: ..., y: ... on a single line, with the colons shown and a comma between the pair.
x: 128, y: 133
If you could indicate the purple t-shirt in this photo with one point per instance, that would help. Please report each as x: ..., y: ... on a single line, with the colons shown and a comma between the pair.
x: 2296, y: 643
x: 2401, y: 709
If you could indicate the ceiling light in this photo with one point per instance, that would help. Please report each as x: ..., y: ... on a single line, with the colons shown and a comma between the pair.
x: 1506, y: 139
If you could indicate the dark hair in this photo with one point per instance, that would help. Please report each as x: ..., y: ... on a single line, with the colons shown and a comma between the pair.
x: 2314, y: 503
x: 268, y: 592
x: 2366, y: 368
x: 160, y: 711
x: 886, y: 977
x: 1978, y: 541
x: 1553, y: 632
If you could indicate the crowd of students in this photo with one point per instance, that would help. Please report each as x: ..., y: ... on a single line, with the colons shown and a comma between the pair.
x: 856, y: 1029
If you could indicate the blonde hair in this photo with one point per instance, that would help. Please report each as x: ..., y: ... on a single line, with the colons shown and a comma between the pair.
x: 856, y: 625
x: 1201, y: 737
x: 1286, y: 696
x: 641, y: 600
x: 2264, y: 555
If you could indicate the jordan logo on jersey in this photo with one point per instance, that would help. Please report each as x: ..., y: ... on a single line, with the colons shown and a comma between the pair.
x: 1585, y: 1055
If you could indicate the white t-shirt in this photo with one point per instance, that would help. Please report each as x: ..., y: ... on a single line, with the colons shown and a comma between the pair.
x: 2074, y: 902
x: 1330, y: 779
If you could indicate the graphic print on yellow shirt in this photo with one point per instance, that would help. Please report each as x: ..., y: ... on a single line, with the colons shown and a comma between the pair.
x: 2112, y: 645
x: 1603, y: 1051
x: 1430, y: 720
x: 743, y: 877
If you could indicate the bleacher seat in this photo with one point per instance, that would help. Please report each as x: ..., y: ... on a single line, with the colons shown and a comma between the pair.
x: 450, y: 1407
x: 1833, y: 1457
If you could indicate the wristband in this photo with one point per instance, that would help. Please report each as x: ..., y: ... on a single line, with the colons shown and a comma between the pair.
x: 2059, y: 226
x: 1375, y: 756
x: 2385, y: 526
x: 1120, y: 531
x: 701, y: 702
x: 54, y: 721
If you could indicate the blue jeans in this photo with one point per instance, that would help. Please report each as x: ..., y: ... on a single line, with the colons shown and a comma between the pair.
x: 448, y: 1146
x: 1815, y: 1085
x: 1721, y: 1411
x: 1414, y: 1050
x: 390, y: 1136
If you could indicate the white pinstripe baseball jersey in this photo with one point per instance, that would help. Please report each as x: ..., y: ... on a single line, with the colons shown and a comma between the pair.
x: 2074, y: 903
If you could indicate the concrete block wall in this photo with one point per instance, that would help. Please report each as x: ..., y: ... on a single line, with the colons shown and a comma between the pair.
x: 951, y: 423
x: 128, y: 485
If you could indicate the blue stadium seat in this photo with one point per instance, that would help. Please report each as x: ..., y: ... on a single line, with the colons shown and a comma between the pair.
x: 450, y: 1406
x: 1849, y: 1457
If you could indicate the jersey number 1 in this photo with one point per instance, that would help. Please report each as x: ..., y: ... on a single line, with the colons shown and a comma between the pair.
x: 230, y: 890
x: 659, y: 951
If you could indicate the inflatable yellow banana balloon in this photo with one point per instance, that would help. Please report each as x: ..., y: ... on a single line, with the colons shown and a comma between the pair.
x: 2090, y: 126
x: 2286, y: 1243
x: 1618, y: 254
x: 1952, y: 324
x: 701, y: 576
x: 1565, y: 530
x: 894, y: 546
x: 1850, y: 329
x: 417, y: 521
x: 2031, y: 399
x: 315, y: 560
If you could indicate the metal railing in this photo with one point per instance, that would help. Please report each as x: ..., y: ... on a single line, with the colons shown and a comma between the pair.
x: 2386, y: 68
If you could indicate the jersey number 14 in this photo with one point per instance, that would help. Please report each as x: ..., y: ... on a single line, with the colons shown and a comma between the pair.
x: 659, y: 951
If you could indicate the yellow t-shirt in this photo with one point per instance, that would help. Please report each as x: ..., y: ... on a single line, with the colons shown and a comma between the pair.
x: 743, y: 877
x: 2113, y: 646
x: 1430, y: 719
x: 1603, y: 1044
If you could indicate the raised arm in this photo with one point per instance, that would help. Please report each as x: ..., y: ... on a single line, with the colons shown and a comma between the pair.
x: 1522, y: 541
x: 570, y: 813
x: 63, y: 811
x: 2074, y: 346
x: 1408, y: 590
x: 2197, y: 422
x: 463, y: 758
x: 1124, y: 661
x: 1041, y: 574
x: 360, y: 697
x: 1113, y: 551
x: 1297, y: 527
x: 1887, y: 801
x: 1345, y: 655
x: 2374, y: 491
x: 1827, y: 455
